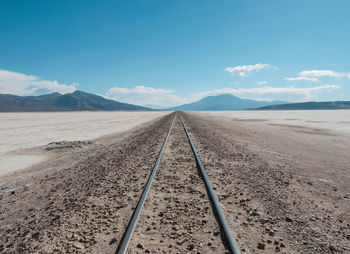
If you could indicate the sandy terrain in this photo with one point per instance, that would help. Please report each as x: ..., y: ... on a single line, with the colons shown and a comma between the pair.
x: 283, y: 189
x: 316, y: 141
x: 82, y: 201
x: 22, y: 134
x: 280, y: 181
x: 334, y: 120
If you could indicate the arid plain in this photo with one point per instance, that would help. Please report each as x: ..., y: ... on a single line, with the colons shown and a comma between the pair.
x: 22, y: 135
x: 282, y: 179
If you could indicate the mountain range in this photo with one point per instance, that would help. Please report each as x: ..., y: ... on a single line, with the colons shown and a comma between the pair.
x: 223, y: 102
x: 310, y: 105
x: 82, y: 101
x: 75, y: 101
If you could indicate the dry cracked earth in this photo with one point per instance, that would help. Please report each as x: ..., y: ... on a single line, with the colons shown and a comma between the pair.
x: 82, y: 201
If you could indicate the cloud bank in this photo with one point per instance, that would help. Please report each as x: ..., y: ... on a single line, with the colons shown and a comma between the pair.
x: 244, y: 70
x: 142, y: 95
x: 314, y: 75
x: 270, y: 93
x: 27, y: 85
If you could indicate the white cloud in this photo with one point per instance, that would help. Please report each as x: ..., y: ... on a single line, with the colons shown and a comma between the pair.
x: 313, y: 75
x: 243, y: 70
x: 324, y: 73
x: 262, y: 83
x: 142, y: 95
x: 15, y: 76
x: 301, y: 78
x: 26, y: 85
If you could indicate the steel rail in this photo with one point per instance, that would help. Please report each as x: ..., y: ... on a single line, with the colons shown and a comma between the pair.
x: 123, y: 246
x: 222, y: 220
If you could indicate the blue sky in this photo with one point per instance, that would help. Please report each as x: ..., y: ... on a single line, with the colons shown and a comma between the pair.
x: 165, y: 53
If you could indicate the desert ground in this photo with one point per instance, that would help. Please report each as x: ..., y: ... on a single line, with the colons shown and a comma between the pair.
x: 282, y: 179
x: 22, y: 135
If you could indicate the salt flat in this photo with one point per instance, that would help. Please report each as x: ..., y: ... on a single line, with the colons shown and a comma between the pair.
x: 332, y: 120
x: 316, y: 140
x: 20, y: 132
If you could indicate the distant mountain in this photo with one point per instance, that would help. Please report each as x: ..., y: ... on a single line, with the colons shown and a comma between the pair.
x: 312, y: 105
x: 223, y: 102
x: 78, y: 100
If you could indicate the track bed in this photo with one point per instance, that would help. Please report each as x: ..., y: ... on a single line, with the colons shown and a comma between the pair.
x: 177, y: 216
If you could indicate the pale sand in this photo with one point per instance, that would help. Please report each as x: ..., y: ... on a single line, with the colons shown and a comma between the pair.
x: 332, y: 120
x: 318, y: 141
x: 21, y: 133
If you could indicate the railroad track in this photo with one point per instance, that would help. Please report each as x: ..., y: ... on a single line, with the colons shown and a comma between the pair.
x: 228, y: 240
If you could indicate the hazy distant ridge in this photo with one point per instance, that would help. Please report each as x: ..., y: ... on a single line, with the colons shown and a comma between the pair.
x: 309, y: 105
x: 57, y: 102
x: 223, y: 102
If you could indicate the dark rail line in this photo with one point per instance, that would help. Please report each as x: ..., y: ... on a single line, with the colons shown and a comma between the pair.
x: 222, y: 220
x: 122, y: 248
x: 232, y: 245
